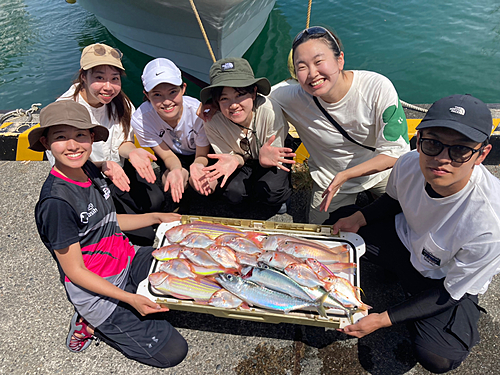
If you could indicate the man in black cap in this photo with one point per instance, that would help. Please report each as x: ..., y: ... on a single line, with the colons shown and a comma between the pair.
x: 438, y: 228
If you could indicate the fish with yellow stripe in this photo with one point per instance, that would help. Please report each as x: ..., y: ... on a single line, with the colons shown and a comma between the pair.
x: 183, y: 288
x: 177, y: 233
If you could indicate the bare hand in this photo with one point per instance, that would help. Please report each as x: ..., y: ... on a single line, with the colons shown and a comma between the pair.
x: 349, y: 224
x: 176, y: 181
x: 166, y: 217
x: 199, y: 179
x: 367, y: 325
x: 116, y: 174
x: 270, y: 156
x: 206, y: 111
x: 331, y: 191
x: 226, y: 165
x: 145, y: 306
x: 141, y: 160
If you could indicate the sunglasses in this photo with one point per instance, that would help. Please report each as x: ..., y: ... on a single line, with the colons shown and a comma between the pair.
x: 100, y: 50
x: 245, y: 146
x: 175, y: 138
x: 457, y: 153
x: 315, y: 30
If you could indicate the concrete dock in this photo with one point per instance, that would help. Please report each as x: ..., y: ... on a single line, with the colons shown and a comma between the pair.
x: 35, y: 314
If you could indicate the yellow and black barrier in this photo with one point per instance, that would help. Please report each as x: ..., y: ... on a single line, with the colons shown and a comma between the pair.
x: 14, y: 139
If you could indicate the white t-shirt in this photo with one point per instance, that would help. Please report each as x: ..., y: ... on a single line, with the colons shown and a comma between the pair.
x: 225, y: 136
x: 456, y: 237
x: 370, y: 113
x: 101, y: 151
x: 151, y: 130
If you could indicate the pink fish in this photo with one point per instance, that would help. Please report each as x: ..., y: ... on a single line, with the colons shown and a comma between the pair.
x: 178, y: 267
x: 167, y: 252
x: 319, y: 268
x: 271, y: 242
x: 241, y: 245
x: 177, y: 233
x: 303, y: 274
x: 199, y: 240
x: 256, y: 237
x: 183, y: 288
x: 223, y: 298
x: 199, y: 257
x: 224, y: 255
x: 303, y: 251
x: 344, y: 292
x: 246, y: 259
x: 277, y: 259
x: 209, y: 271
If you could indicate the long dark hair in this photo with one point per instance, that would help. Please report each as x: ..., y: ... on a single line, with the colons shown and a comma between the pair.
x: 122, y: 104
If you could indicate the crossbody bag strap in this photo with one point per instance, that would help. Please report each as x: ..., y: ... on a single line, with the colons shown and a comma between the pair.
x: 338, y: 127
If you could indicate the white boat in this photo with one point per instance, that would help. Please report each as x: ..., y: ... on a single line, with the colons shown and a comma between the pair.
x: 168, y: 28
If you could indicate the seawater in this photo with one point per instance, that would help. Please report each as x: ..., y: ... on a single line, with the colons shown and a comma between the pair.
x: 428, y: 49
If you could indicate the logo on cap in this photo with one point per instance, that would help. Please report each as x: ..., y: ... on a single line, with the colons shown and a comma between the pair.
x: 458, y: 110
x: 227, y: 66
x: 158, y: 73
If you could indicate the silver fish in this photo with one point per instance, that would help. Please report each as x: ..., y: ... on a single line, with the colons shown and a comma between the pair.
x: 275, y: 280
x: 260, y: 296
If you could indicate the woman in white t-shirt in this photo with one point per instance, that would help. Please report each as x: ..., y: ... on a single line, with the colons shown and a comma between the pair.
x: 167, y: 122
x: 365, y: 104
x: 99, y: 89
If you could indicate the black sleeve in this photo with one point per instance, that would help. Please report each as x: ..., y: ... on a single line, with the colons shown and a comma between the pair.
x: 428, y: 303
x: 384, y: 206
x: 57, y: 224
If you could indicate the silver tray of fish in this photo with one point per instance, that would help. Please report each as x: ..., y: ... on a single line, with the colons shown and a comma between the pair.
x: 257, y: 270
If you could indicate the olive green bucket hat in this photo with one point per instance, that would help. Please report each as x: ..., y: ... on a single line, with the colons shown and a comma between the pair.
x: 233, y: 72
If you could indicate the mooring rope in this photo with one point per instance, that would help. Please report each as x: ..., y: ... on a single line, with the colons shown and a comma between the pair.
x: 21, y: 113
x: 412, y: 106
x: 308, y: 14
x: 203, y: 30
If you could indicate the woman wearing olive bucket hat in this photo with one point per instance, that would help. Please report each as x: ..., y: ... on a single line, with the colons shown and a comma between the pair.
x: 247, y: 134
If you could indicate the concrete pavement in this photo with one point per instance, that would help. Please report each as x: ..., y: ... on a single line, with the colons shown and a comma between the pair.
x: 35, y: 315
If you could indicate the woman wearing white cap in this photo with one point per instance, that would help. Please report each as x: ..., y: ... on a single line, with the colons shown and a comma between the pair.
x: 167, y: 122
x: 98, y: 88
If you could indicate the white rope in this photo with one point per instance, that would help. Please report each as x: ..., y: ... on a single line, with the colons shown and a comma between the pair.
x: 412, y: 106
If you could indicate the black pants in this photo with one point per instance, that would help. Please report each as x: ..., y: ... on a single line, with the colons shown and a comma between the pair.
x: 147, y: 339
x: 440, y: 342
x: 143, y: 197
x: 271, y: 186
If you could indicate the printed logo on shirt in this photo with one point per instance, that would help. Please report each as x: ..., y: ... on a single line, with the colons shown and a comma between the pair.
x: 430, y: 258
x: 191, y: 139
x: 106, y: 192
x: 91, y: 211
x: 161, y: 133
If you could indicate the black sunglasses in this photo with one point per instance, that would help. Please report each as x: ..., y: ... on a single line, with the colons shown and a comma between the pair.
x: 245, y: 146
x: 315, y: 30
x: 457, y: 153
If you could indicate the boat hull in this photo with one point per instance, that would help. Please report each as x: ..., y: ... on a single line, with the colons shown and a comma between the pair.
x: 166, y: 28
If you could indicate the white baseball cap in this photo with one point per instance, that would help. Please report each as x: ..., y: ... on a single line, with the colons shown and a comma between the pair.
x: 160, y: 71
